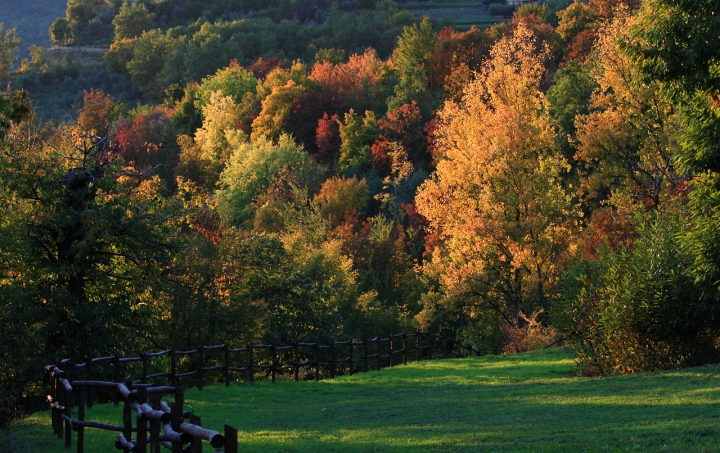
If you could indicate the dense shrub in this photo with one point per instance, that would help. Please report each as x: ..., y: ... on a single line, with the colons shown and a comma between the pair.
x: 636, y: 309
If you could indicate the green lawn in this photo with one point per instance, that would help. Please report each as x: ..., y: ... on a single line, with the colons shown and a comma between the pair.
x: 529, y: 402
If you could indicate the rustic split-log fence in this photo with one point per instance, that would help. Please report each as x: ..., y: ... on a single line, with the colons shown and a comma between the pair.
x: 166, y: 426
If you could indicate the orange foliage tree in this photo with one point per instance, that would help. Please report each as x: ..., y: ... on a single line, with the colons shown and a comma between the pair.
x: 503, y: 219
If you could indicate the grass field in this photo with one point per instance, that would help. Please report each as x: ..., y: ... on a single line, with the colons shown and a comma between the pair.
x: 529, y: 402
x: 460, y: 14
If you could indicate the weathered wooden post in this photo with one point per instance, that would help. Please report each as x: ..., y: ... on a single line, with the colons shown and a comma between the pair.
x: 144, y: 358
x: 317, y: 361
x: 176, y: 412
x: 226, y: 369
x: 417, y: 345
x: 127, y: 415
x: 251, y: 362
x: 273, y: 354
x: 404, y: 347
x: 379, y: 360
x: 196, y: 443
x: 173, y: 366
x: 88, y: 376
x: 141, y: 421
x: 430, y: 348
x: 365, y: 355
x: 332, y: 360
x: 350, y: 364
x: 296, y: 362
x: 392, y: 351
x: 116, y: 378
x: 231, y: 439
x: 201, y: 359
x: 81, y: 417
x: 155, y: 424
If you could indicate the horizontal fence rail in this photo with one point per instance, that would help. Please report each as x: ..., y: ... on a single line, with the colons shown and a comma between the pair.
x: 127, y: 380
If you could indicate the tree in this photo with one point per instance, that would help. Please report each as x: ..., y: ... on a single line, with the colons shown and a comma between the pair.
x: 497, y: 200
x: 233, y: 81
x: 97, y: 112
x: 132, y: 20
x: 9, y: 44
x: 673, y: 42
x: 252, y: 168
x: 148, y: 61
x: 625, y: 145
x: 60, y: 33
x: 356, y: 136
x: 83, y: 245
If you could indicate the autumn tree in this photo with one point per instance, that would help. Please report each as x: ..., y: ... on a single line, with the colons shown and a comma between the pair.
x: 625, y: 145
x: 497, y: 202
x: 97, y: 113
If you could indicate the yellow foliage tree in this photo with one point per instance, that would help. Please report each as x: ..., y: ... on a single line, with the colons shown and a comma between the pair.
x: 497, y: 203
x: 625, y: 145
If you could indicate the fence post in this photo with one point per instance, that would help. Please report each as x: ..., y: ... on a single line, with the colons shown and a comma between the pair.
x: 68, y: 413
x: 404, y: 347
x: 317, y: 361
x: 173, y: 366
x: 176, y: 412
x: 155, y: 425
x: 444, y: 346
x: 81, y: 417
x: 53, y: 395
x: 226, y: 350
x: 296, y: 367
x: 201, y: 352
x: 88, y: 376
x: 141, y: 445
x: 350, y: 364
x: 59, y: 390
x: 127, y: 416
x: 379, y: 360
x: 429, y: 342
x: 144, y: 358
x: 196, y: 443
x: 392, y: 350
x: 417, y: 345
x: 365, y: 356
x: 116, y: 378
x: 274, y: 361
x: 251, y: 362
x: 231, y: 439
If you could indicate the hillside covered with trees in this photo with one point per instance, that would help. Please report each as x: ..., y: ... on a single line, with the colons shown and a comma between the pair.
x: 179, y: 175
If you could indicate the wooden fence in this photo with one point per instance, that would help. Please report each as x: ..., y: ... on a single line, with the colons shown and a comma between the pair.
x: 217, y: 363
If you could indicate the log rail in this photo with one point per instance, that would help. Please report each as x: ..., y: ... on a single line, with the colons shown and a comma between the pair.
x: 170, y: 426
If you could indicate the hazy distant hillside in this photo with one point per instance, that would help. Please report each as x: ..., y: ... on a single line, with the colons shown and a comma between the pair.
x: 32, y: 18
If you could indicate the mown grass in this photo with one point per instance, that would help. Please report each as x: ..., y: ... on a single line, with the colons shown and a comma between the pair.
x: 515, y: 403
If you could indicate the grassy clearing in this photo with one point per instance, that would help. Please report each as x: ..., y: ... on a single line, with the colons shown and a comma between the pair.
x: 516, y: 403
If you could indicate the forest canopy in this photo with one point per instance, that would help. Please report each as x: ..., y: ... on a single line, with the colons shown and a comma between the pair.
x: 186, y: 173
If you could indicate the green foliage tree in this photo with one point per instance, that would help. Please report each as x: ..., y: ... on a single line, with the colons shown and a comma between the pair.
x: 356, y: 135
x: 251, y: 169
x: 9, y: 43
x: 673, y: 42
x: 148, y: 60
x: 233, y: 81
x: 132, y: 20
x: 60, y: 33
x: 83, y: 244
x: 637, y: 308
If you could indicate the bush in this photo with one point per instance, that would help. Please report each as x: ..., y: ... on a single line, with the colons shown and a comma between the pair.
x: 637, y: 309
